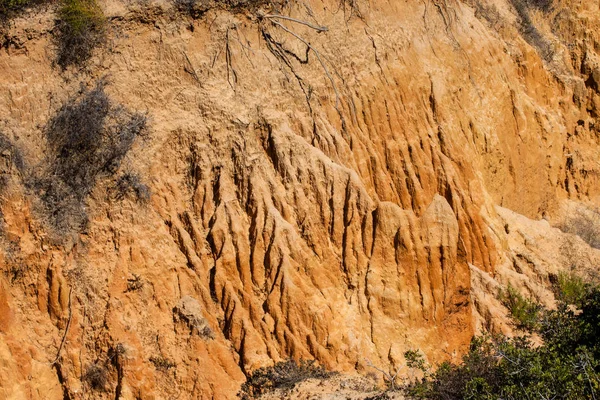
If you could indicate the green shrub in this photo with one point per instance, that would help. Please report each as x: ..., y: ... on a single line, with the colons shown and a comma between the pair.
x: 571, y: 288
x: 81, y: 28
x: 523, y: 311
x: 589, y: 321
x: 565, y: 366
x: 415, y: 360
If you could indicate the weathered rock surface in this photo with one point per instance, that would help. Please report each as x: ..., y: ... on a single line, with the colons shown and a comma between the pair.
x: 365, y: 200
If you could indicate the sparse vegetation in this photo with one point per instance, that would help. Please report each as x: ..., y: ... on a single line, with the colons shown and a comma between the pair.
x: 87, y: 139
x: 16, y: 272
x: 194, y: 8
x: 81, y: 28
x: 415, y: 361
x: 197, y: 8
x: 10, y: 156
x: 11, y: 8
x: 162, y: 363
x: 487, y: 12
x: 11, y: 164
x: 115, y: 352
x: 543, y: 5
x: 350, y: 8
x: 96, y: 376
x: 284, y: 375
x: 528, y: 29
x: 585, y: 224
x: 135, y: 283
x: 525, y: 312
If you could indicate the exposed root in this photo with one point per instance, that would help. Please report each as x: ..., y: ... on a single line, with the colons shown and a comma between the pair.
x: 315, y: 27
x: 283, y: 56
x: 62, y: 342
x: 231, y: 73
x: 281, y: 53
x: 189, y: 68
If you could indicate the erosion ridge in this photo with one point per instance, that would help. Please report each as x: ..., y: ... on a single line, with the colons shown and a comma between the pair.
x: 343, y: 195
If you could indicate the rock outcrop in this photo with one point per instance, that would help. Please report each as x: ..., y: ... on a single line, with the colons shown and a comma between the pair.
x: 344, y: 194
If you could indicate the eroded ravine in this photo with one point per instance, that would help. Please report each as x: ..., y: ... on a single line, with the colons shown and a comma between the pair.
x: 345, y: 203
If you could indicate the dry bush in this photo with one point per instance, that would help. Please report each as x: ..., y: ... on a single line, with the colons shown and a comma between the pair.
x: 9, y: 8
x: 87, y: 140
x: 11, y: 161
x: 542, y: 5
x: 130, y: 184
x: 197, y: 8
x: 284, y: 375
x: 115, y: 352
x: 16, y: 272
x: 206, y: 333
x: 585, y: 224
x: 528, y: 29
x: 10, y: 156
x: 11, y: 164
x: 487, y: 12
x: 96, y: 375
x: 134, y: 284
x: 162, y: 363
x: 13, y: 8
x: 194, y: 8
x: 351, y: 9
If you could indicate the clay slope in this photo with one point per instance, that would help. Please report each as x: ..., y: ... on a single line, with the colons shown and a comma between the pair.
x: 343, y: 195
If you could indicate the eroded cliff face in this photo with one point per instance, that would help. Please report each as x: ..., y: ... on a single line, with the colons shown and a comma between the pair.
x: 345, y: 201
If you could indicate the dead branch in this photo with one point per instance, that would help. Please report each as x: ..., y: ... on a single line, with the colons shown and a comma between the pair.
x: 62, y: 342
x: 387, y: 375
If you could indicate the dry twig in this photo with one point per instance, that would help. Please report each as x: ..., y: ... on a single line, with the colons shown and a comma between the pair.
x: 62, y: 342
